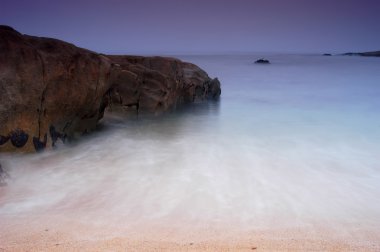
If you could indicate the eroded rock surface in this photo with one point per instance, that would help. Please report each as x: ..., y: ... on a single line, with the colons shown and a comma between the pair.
x: 47, y: 83
x: 159, y: 83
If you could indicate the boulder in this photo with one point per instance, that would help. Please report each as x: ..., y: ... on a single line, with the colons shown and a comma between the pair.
x: 51, y: 90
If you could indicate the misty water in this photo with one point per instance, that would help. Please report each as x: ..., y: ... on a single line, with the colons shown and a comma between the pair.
x: 294, y: 143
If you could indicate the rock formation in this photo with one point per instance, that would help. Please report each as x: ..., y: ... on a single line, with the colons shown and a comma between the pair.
x: 51, y: 90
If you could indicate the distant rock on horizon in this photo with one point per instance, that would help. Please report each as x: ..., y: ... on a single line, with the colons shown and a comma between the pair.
x: 262, y: 61
x: 366, y: 54
x: 51, y: 90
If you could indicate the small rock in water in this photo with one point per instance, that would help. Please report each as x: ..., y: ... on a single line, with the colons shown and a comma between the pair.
x: 262, y: 61
x: 327, y: 54
x: 3, y: 176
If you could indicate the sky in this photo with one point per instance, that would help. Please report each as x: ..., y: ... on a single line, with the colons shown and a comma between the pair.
x: 201, y: 26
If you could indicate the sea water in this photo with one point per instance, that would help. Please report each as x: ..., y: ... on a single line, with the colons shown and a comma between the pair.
x: 291, y: 144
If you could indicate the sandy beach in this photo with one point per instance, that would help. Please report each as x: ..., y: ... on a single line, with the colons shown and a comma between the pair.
x: 53, y: 233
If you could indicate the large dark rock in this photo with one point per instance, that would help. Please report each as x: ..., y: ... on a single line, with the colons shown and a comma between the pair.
x: 51, y: 90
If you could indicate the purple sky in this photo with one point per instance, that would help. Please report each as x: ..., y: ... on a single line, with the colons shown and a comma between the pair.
x: 201, y: 26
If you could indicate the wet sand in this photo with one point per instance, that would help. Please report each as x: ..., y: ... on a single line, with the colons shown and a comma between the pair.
x: 36, y: 233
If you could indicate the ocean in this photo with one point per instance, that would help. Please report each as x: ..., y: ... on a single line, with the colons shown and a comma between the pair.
x: 290, y: 145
